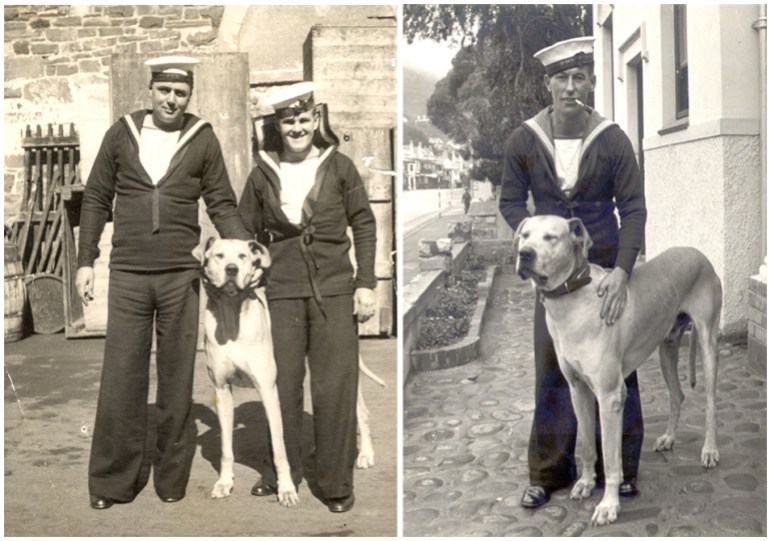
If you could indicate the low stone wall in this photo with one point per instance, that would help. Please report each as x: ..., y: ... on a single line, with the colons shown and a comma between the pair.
x: 466, y: 349
x: 420, y: 293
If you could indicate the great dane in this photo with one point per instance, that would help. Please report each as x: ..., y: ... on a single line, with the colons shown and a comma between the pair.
x: 665, y: 294
x: 239, y: 348
x: 239, y: 351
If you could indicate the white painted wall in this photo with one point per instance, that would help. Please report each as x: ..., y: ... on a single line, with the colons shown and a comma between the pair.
x: 703, y: 181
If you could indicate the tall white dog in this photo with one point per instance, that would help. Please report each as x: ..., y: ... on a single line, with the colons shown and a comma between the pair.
x: 238, y: 344
x: 664, y: 295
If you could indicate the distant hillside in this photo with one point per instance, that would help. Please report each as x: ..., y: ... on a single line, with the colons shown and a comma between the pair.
x: 418, y: 87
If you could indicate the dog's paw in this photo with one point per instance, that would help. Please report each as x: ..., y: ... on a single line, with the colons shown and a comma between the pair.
x: 222, y: 489
x: 709, y: 457
x: 664, y: 443
x: 582, y: 489
x: 364, y: 461
x: 605, y: 513
x: 288, y: 497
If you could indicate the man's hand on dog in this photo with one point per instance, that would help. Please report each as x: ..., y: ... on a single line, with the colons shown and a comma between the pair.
x: 84, y: 281
x: 614, y: 289
x: 363, y: 305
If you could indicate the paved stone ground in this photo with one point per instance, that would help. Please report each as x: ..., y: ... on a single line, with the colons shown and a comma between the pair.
x: 465, y: 447
x: 51, y: 386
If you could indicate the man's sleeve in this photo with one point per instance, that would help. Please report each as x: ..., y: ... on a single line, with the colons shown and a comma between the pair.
x: 218, y: 194
x: 97, y: 201
x: 250, y: 206
x: 629, y: 198
x: 514, y: 186
x: 361, y: 220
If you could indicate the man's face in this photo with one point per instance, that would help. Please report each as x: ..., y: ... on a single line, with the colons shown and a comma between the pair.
x: 570, y: 85
x: 297, y: 131
x: 169, y: 103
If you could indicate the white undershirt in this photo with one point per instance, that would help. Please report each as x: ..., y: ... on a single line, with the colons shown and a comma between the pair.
x: 296, y: 181
x: 156, y: 148
x: 567, y: 161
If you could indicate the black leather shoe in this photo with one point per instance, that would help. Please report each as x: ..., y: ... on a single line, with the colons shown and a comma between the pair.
x: 628, y: 488
x: 535, y: 496
x: 261, y: 488
x: 101, y: 502
x: 341, y: 505
x: 170, y: 499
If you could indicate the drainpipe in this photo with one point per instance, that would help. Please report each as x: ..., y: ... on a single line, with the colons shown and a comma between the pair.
x: 761, y: 26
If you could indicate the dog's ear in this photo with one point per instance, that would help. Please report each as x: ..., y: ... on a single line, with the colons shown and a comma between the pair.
x: 261, y: 254
x: 516, y: 244
x: 580, y: 236
x: 199, y: 252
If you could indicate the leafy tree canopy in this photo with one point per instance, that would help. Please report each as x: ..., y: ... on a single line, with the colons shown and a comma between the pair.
x: 494, y: 83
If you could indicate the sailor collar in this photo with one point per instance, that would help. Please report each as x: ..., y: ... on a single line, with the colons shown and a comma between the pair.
x: 540, y: 126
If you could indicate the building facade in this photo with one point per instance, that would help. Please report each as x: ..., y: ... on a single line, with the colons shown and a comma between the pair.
x: 687, y: 83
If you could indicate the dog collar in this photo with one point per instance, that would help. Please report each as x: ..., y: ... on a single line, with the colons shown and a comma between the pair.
x: 226, y: 309
x: 580, y: 277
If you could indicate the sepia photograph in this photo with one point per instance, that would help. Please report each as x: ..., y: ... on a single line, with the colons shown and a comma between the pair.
x: 385, y: 270
x: 584, y: 190
x: 200, y: 287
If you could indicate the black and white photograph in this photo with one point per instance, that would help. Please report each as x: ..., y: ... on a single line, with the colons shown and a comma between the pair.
x: 385, y: 270
x: 200, y: 281
x: 584, y: 190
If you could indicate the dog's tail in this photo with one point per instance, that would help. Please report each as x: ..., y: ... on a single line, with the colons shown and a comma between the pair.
x: 371, y: 375
x: 691, y: 364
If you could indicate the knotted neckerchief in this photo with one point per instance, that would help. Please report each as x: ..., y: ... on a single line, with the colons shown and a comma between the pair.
x: 225, y: 304
x: 308, y: 230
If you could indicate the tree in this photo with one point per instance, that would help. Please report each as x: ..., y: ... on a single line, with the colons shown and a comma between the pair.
x: 495, y: 83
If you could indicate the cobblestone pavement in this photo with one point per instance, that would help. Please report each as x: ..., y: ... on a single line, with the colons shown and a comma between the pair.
x: 465, y: 446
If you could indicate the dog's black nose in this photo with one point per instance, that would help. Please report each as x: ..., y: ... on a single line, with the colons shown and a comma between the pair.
x: 231, y: 270
x: 527, y: 255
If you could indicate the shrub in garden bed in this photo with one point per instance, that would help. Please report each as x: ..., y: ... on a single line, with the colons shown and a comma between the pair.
x: 448, y: 319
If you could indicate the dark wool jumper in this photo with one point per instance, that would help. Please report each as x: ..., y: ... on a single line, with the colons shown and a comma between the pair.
x: 156, y: 226
x: 608, y: 178
x: 337, y: 200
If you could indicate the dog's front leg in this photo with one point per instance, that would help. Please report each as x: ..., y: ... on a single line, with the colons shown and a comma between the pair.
x: 265, y: 382
x: 224, y: 404
x: 611, y: 405
x: 585, y: 412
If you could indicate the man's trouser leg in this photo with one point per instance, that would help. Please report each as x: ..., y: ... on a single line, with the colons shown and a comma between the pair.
x: 554, y: 427
x: 177, y: 301
x: 120, y: 429
x: 289, y: 330
x: 333, y: 362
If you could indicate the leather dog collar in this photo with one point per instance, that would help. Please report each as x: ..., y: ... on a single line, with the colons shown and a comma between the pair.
x: 580, y: 277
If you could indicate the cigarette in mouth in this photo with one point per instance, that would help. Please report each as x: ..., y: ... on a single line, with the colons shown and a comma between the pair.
x: 580, y: 103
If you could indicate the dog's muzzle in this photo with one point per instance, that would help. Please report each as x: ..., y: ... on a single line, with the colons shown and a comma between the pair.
x: 525, y: 266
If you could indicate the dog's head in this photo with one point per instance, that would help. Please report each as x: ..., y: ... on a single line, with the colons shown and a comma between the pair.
x: 231, y: 264
x: 547, y: 249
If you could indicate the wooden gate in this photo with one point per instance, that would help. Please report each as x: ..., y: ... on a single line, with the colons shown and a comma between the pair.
x: 42, y: 231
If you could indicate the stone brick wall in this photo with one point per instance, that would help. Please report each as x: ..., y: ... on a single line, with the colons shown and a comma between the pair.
x: 57, y: 60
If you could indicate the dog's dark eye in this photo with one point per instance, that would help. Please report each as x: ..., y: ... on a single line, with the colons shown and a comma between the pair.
x: 549, y: 238
x: 219, y: 256
x: 525, y: 235
x: 242, y: 257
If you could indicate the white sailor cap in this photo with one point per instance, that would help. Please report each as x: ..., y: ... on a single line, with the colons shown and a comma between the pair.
x: 292, y: 100
x: 570, y: 53
x: 172, y: 69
